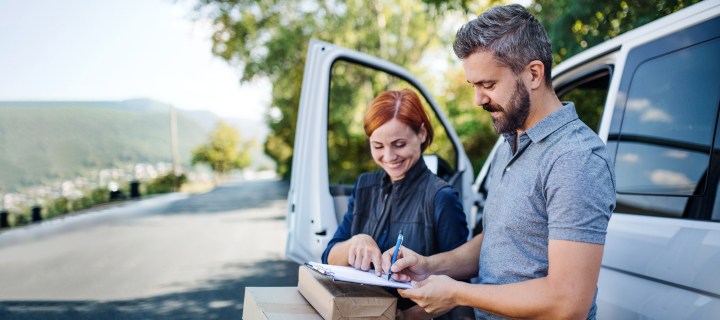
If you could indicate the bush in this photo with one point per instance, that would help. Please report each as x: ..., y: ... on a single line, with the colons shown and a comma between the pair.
x: 79, y: 204
x: 86, y: 202
x: 99, y: 195
x: 21, y: 219
x: 164, y: 184
x: 58, y: 207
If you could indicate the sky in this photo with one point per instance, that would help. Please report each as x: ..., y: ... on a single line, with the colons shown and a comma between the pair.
x: 116, y: 50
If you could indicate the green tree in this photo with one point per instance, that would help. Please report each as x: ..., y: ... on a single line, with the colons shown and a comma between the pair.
x: 575, y: 25
x: 224, y: 151
x: 572, y: 26
x: 268, y: 38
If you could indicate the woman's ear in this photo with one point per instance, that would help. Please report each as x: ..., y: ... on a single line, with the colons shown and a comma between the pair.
x: 422, y: 134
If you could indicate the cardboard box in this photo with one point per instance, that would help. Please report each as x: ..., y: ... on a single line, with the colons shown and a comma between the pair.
x: 338, y: 300
x: 277, y: 303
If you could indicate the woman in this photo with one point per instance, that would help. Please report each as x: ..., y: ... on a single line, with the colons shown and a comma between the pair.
x: 404, y: 196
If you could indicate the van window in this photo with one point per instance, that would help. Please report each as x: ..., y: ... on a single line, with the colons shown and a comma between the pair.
x: 668, y: 126
x: 588, y: 93
x: 716, y: 208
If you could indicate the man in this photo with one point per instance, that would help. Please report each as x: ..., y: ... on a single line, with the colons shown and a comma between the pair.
x: 551, y: 194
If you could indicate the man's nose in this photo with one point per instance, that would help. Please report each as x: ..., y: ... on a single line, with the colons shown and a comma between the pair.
x: 481, y: 98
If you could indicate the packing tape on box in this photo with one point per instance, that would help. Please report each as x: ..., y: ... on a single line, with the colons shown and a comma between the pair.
x: 286, y: 308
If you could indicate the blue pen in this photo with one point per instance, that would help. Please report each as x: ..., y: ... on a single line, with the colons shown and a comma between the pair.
x: 397, y: 247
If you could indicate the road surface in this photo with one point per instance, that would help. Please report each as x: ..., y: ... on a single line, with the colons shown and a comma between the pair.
x: 174, y: 256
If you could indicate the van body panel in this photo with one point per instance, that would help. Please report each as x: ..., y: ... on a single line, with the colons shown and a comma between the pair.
x: 631, y: 297
x: 682, y: 252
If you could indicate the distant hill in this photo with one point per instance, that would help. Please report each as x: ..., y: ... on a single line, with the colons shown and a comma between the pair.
x: 249, y: 129
x: 42, y: 141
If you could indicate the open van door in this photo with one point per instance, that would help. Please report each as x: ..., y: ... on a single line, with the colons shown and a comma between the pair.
x: 314, y: 205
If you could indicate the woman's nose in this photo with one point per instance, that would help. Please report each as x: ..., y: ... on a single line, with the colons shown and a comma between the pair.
x: 389, y: 154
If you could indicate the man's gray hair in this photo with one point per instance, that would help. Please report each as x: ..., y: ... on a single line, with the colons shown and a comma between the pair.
x: 512, y: 34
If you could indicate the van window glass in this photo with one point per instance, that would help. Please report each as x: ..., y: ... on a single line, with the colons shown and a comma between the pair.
x: 662, y: 206
x: 669, y: 122
x: 588, y: 94
x: 352, y: 88
x: 716, y: 207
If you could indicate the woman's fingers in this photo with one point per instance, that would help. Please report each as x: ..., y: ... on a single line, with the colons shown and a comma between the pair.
x: 366, y: 259
x: 377, y: 262
x: 351, y: 256
x: 363, y: 252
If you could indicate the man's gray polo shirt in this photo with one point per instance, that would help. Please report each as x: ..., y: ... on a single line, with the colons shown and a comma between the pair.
x: 560, y: 184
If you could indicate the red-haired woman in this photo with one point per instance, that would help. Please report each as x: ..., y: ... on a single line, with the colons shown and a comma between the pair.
x: 405, y: 195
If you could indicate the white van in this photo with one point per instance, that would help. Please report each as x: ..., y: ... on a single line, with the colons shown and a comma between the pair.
x: 656, y: 90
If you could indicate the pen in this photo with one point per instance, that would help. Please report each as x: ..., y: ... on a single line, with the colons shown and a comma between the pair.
x: 397, y: 247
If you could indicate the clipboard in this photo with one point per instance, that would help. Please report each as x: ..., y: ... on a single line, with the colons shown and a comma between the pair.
x: 349, y: 274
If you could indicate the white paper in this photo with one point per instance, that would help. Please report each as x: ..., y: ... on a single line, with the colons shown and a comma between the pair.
x: 350, y: 274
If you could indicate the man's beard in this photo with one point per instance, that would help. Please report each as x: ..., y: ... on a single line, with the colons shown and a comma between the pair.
x: 513, y: 117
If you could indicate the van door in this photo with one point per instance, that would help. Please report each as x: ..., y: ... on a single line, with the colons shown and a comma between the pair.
x: 662, y: 248
x: 315, y: 206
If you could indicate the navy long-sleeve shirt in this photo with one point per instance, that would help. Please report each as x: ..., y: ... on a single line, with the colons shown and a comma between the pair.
x: 450, y: 225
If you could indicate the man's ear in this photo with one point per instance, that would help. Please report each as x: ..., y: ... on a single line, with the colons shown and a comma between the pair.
x: 537, y: 72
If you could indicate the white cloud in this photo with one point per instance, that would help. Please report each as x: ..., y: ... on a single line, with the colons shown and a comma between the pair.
x: 648, y: 112
x: 676, y: 154
x: 667, y: 178
x: 629, y: 157
x: 658, y: 115
x: 638, y: 104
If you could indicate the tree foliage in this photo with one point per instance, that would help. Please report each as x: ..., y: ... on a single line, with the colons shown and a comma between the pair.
x: 575, y: 25
x: 268, y: 38
x: 224, y: 151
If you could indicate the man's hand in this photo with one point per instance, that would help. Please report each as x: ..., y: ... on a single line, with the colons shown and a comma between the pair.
x: 408, y: 266
x: 363, y: 250
x: 436, y: 294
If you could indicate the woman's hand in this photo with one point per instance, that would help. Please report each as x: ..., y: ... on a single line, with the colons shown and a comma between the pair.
x: 364, y: 250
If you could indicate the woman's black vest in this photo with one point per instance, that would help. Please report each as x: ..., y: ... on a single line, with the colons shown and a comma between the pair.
x: 407, y: 204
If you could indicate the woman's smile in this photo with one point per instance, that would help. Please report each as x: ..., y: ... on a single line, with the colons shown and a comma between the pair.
x: 395, y: 164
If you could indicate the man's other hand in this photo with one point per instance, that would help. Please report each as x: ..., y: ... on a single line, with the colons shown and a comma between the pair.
x: 436, y: 294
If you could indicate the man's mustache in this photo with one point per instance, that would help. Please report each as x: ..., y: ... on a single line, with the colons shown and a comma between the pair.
x: 493, y: 108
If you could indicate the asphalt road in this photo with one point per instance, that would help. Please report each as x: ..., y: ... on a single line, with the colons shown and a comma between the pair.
x: 175, y: 256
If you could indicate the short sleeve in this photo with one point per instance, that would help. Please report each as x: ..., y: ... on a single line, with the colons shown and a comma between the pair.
x: 450, y: 225
x: 580, y: 194
x: 344, y: 229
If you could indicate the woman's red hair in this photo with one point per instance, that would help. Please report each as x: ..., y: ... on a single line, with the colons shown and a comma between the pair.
x: 405, y: 106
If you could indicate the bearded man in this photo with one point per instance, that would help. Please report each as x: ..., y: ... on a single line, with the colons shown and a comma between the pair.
x: 551, y: 189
